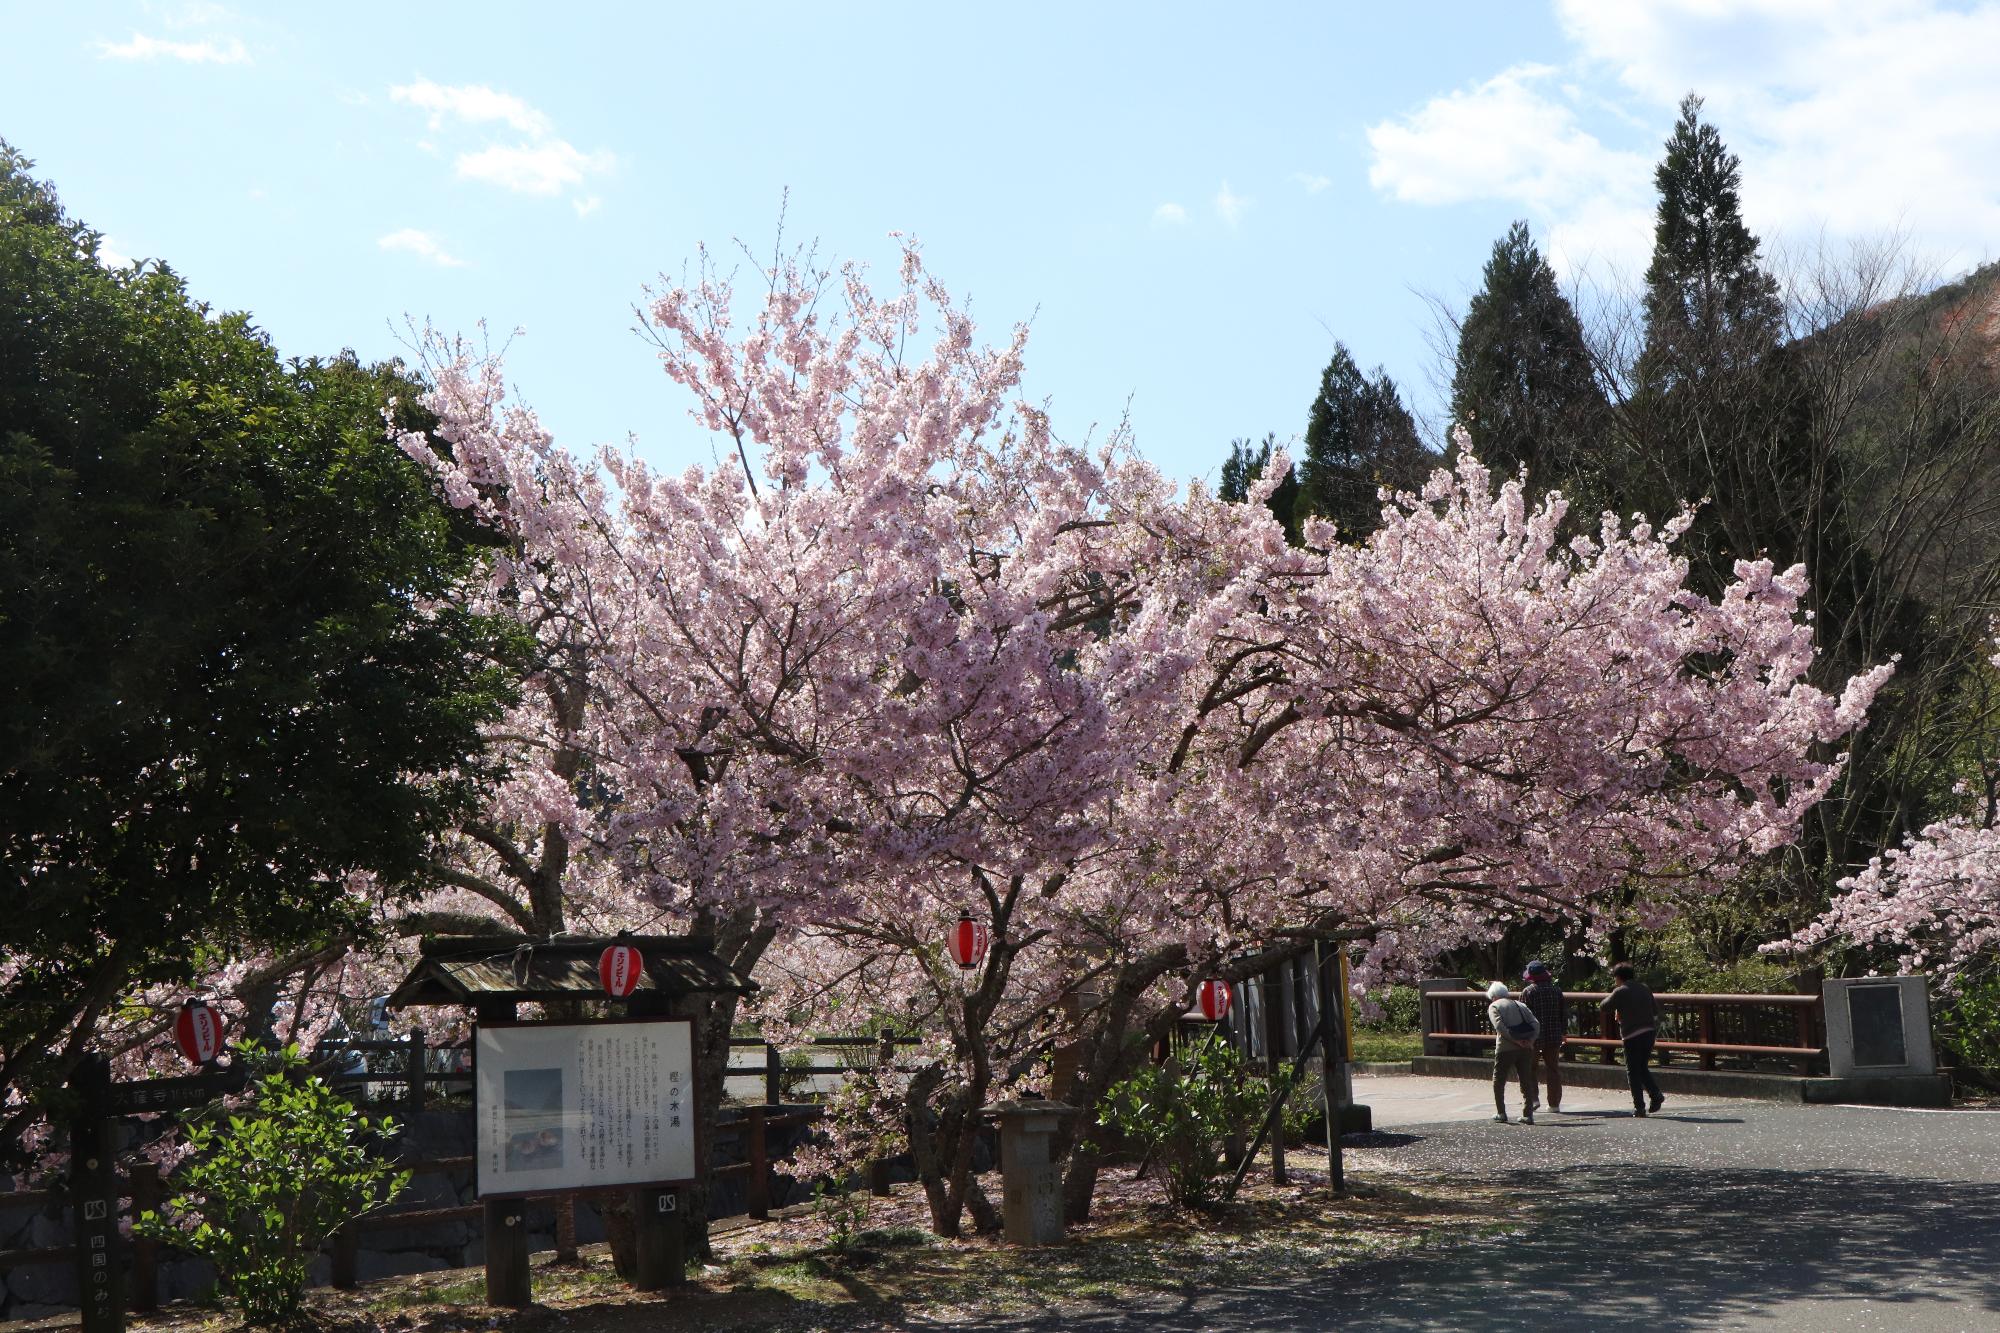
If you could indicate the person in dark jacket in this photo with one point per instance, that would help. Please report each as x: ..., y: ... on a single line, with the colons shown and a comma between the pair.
x: 1638, y: 1021
x: 1551, y: 1009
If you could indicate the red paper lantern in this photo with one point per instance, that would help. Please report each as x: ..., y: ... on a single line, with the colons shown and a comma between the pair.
x: 1213, y: 997
x: 198, y: 1031
x: 968, y: 942
x: 619, y: 967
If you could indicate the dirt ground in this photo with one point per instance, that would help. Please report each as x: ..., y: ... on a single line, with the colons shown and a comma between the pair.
x: 789, y: 1274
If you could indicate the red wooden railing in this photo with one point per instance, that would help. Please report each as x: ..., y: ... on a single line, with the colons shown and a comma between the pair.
x: 1745, y: 1030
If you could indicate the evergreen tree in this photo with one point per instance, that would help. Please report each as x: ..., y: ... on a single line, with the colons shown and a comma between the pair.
x: 1524, y: 387
x: 235, y: 661
x: 1359, y: 438
x: 1245, y: 466
x: 1718, y: 412
x: 1710, y: 306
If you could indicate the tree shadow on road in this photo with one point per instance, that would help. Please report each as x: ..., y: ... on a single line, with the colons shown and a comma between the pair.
x: 1667, y: 1249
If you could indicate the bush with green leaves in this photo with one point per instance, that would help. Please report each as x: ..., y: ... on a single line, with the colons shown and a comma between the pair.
x: 1181, y: 1114
x: 268, y: 1184
x: 1967, y: 1022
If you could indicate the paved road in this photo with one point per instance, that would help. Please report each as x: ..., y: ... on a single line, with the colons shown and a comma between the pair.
x: 1713, y: 1215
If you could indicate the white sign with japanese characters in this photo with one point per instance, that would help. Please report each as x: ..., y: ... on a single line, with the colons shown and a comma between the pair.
x: 583, y: 1105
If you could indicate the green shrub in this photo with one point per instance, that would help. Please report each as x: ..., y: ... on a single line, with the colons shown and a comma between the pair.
x: 1182, y: 1112
x: 1397, y: 1011
x: 1968, y: 1026
x: 268, y: 1185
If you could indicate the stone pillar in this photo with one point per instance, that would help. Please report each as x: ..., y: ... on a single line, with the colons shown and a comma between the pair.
x: 1031, y: 1208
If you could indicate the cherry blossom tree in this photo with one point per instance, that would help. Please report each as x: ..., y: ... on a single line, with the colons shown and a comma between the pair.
x: 906, y: 655
x: 1404, y: 743
x: 1932, y: 904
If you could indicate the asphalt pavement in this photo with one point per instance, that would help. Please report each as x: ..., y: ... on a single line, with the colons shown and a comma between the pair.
x: 1712, y: 1215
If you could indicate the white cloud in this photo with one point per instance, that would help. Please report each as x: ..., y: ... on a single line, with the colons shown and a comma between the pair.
x: 472, y: 103
x: 421, y: 244
x: 1505, y: 138
x: 1853, y: 120
x: 540, y: 163
x: 1230, y: 206
x: 1170, y: 214
x: 542, y: 168
x: 109, y: 255
x: 1313, y: 184
x: 207, y: 51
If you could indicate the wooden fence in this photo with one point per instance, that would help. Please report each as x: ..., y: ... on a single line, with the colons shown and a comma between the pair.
x: 413, y: 1074
x: 1746, y: 1030
x: 408, y: 1074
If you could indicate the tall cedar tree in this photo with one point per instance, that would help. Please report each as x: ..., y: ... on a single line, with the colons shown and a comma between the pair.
x: 1727, y: 410
x: 1525, y: 386
x: 1245, y: 467
x: 1359, y: 438
x: 1718, y: 413
x: 233, y: 661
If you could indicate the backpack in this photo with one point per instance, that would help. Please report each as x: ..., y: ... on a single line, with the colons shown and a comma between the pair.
x: 1518, y: 1022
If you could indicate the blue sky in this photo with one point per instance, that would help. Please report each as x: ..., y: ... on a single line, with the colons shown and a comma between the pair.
x: 1189, y: 203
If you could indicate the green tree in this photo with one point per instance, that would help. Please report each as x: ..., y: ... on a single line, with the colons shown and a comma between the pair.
x: 236, y: 667
x: 1846, y: 424
x: 1709, y: 303
x: 1359, y: 438
x: 1524, y: 385
x: 1245, y: 467
x: 1717, y: 412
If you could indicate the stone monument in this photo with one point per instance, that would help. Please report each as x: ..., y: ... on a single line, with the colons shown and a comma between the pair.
x: 1878, y: 1026
x: 1031, y: 1208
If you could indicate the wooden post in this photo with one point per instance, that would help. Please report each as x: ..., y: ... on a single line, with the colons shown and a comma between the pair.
x: 145, y: 1294
x: 878, y: 1170
x: 661, y: 1258
x: 774, y: 1076
x: 757, y: 1196
x: 1707, y: 1012
x: 415, y: 1080
x: 1333, y: 1041
x: 346, y: 1254
x: 507, y: 1280
x: 566, y: 1229
x: 100, y: 1278
x: 1276, y: 1011
x: 506, y: 1220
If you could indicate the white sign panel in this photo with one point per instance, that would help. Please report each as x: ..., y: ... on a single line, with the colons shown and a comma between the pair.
x: 582, y: 1105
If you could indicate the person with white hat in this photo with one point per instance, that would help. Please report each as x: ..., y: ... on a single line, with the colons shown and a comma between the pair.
x: 1514, y: 1031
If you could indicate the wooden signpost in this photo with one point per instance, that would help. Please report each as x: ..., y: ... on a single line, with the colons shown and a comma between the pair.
x: 568, y: 1108
x: 93, y: 1176
x: 93, y: 1183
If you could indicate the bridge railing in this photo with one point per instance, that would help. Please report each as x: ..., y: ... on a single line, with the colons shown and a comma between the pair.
x: 1738, y: 1031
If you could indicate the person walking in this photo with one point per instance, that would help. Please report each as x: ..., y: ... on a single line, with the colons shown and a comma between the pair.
x: 1638, y: 1022
x: 1545, y: 999
x: 1514, y: 1033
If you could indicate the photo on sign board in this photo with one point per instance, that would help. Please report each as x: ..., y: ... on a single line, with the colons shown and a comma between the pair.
x: 534, y: 1117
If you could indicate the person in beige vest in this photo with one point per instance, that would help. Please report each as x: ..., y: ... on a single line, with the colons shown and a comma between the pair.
x: 1514, y: 1033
